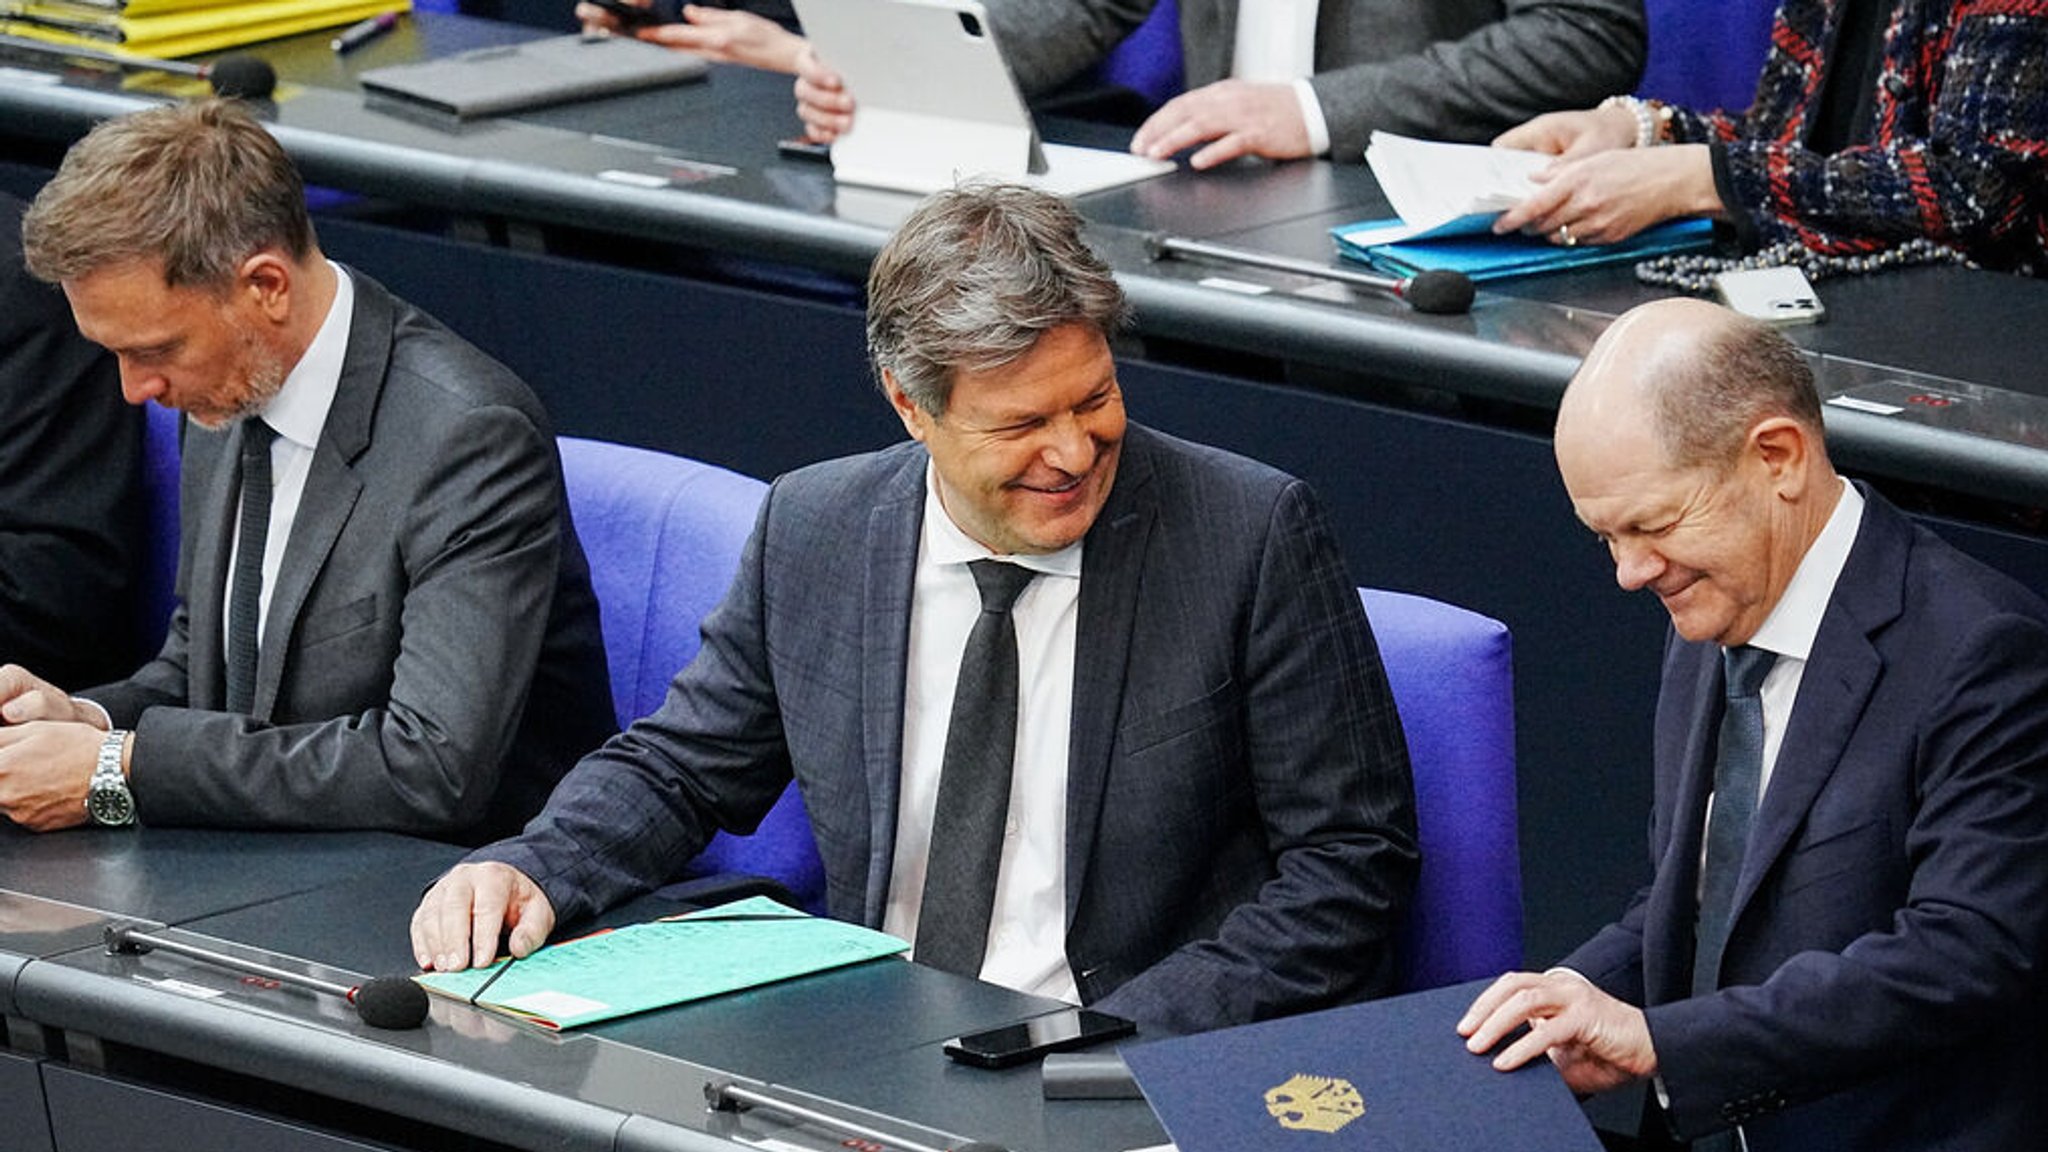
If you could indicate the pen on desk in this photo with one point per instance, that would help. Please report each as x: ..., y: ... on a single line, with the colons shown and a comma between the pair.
x: 363, y: 31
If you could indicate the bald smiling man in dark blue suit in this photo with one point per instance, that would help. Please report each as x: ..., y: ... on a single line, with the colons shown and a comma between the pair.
x: 1882, y: 982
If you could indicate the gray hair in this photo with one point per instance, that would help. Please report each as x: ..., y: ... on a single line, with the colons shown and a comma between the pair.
x: 971, y: 281
x: 1737, y: 374
x: 200, y: 187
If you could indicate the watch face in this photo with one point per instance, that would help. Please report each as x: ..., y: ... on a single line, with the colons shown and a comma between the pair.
x: 110, y: 806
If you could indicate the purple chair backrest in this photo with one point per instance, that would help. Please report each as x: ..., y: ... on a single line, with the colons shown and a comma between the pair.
x: 664, y: 535
x: 1452, y: 678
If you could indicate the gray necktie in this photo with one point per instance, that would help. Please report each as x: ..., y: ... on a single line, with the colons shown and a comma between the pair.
x: 245, y: 593
x: 1738, y: 771
x: 974, y: 782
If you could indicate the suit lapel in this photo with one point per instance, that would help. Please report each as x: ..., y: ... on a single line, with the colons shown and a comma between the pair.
x: 1841, y: 673
x: 331, y: 485
x: 206, y: 588
x: 1112, y: 570
x: 893, y: 530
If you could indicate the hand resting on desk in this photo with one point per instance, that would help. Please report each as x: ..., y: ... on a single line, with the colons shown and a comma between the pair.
x: 1227, y: 119
x: 462, y: 917
x: 1602, y: 188
x: 49, y: 744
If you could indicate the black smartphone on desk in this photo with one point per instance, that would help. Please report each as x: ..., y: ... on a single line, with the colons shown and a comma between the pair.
x: 632, y: 16
x: 1033, y: 1038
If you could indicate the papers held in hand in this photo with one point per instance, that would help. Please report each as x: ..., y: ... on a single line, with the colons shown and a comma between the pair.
x: 673, y: 960
x: 1440, y: 189
x: 1389, y: 1074
x: 1448, y: 196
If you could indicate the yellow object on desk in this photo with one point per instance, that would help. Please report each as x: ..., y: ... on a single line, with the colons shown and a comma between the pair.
x: 172, y: 28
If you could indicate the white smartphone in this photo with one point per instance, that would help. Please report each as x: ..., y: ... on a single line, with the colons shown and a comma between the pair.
x: 1779, y: 295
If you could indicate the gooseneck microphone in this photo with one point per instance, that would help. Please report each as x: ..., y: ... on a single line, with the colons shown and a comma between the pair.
x: 384, y: 1002
x: 1438, y: 291
x: 236, y: 74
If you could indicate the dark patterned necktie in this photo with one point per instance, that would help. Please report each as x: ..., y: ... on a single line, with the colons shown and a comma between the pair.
x: 974, y: 782
x: 245, y: 592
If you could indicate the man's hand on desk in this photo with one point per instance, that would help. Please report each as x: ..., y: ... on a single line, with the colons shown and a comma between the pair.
x: 822, y: 101
x: 461, y: 918
x: 1596, y: 1041
x: 25, y: 696
x: 45, y: 769
x: 1232, y: 118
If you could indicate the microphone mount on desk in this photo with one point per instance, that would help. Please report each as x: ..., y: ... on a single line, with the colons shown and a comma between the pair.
x: 1438, y: 291
x: 391, y: 1002
x: 729, y: 1096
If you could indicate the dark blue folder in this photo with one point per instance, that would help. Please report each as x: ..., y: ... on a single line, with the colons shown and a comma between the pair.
x: 1386, y: 1076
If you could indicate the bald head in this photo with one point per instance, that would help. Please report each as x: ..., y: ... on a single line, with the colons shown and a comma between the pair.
x: 1694, y: 376
x: 1690, y: 441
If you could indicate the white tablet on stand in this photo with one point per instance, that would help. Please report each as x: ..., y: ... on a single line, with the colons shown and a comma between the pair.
x: 935, y: 103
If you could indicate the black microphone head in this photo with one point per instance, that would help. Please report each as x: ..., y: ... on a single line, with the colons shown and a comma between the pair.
x: 1155, y: 246
x: 1440, y: 292
x: 390, y: 1002
x: 241, y: 75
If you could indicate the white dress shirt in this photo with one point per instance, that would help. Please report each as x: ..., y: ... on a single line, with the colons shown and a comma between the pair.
x: 1276, y: 44
x: 296, y: 414
x: 1795, y: 620
x: 1027, y: 930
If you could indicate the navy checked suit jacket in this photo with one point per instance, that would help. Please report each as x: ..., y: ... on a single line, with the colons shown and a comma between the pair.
x: 1239, y: 813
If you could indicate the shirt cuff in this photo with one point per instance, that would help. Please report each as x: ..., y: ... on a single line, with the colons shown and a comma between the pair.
x: 1312, y: 118
x: 106, y: 718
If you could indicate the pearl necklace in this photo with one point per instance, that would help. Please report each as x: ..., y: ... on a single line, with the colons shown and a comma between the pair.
x: 1695, y: 273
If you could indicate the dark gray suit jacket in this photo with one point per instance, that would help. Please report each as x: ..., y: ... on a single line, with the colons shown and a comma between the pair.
x: 70, y: 492
x: 1439, y: 69
x: 1240, y: 819
x: 1886, y: 977
x: 431, y: 660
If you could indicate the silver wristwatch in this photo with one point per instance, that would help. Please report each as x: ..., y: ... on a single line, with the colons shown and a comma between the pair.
x: 107, y: 799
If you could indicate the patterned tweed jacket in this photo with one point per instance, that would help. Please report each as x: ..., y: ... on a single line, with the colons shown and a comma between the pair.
x: 1959, y: 152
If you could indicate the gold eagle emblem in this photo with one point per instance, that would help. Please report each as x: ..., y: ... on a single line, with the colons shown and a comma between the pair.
x: 1314, y: 1103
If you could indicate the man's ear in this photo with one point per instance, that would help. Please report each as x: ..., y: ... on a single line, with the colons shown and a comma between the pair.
x: 267, y: 280
x: 916, y: 420
x: 1784, y: 447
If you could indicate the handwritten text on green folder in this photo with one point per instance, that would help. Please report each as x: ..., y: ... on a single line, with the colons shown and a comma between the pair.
x: 669, y: 961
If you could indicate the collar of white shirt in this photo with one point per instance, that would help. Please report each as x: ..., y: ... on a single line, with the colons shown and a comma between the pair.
x: 299, y: 410
x: 1795, y: 620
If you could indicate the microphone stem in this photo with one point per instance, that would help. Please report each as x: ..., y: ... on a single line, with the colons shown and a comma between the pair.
x: 123, y: 939
x: 724, y: 1094
x: 1181, y: 246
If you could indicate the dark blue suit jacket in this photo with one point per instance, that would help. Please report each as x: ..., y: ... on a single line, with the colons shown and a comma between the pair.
x: 1239, y: 812
x: 1883, y: 985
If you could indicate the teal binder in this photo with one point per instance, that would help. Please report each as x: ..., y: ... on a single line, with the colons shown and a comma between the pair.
x: 1385, y: 1076
x: 1483, y: 256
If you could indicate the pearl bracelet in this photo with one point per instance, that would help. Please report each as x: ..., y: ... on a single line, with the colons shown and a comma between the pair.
x: 1653, y: 119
